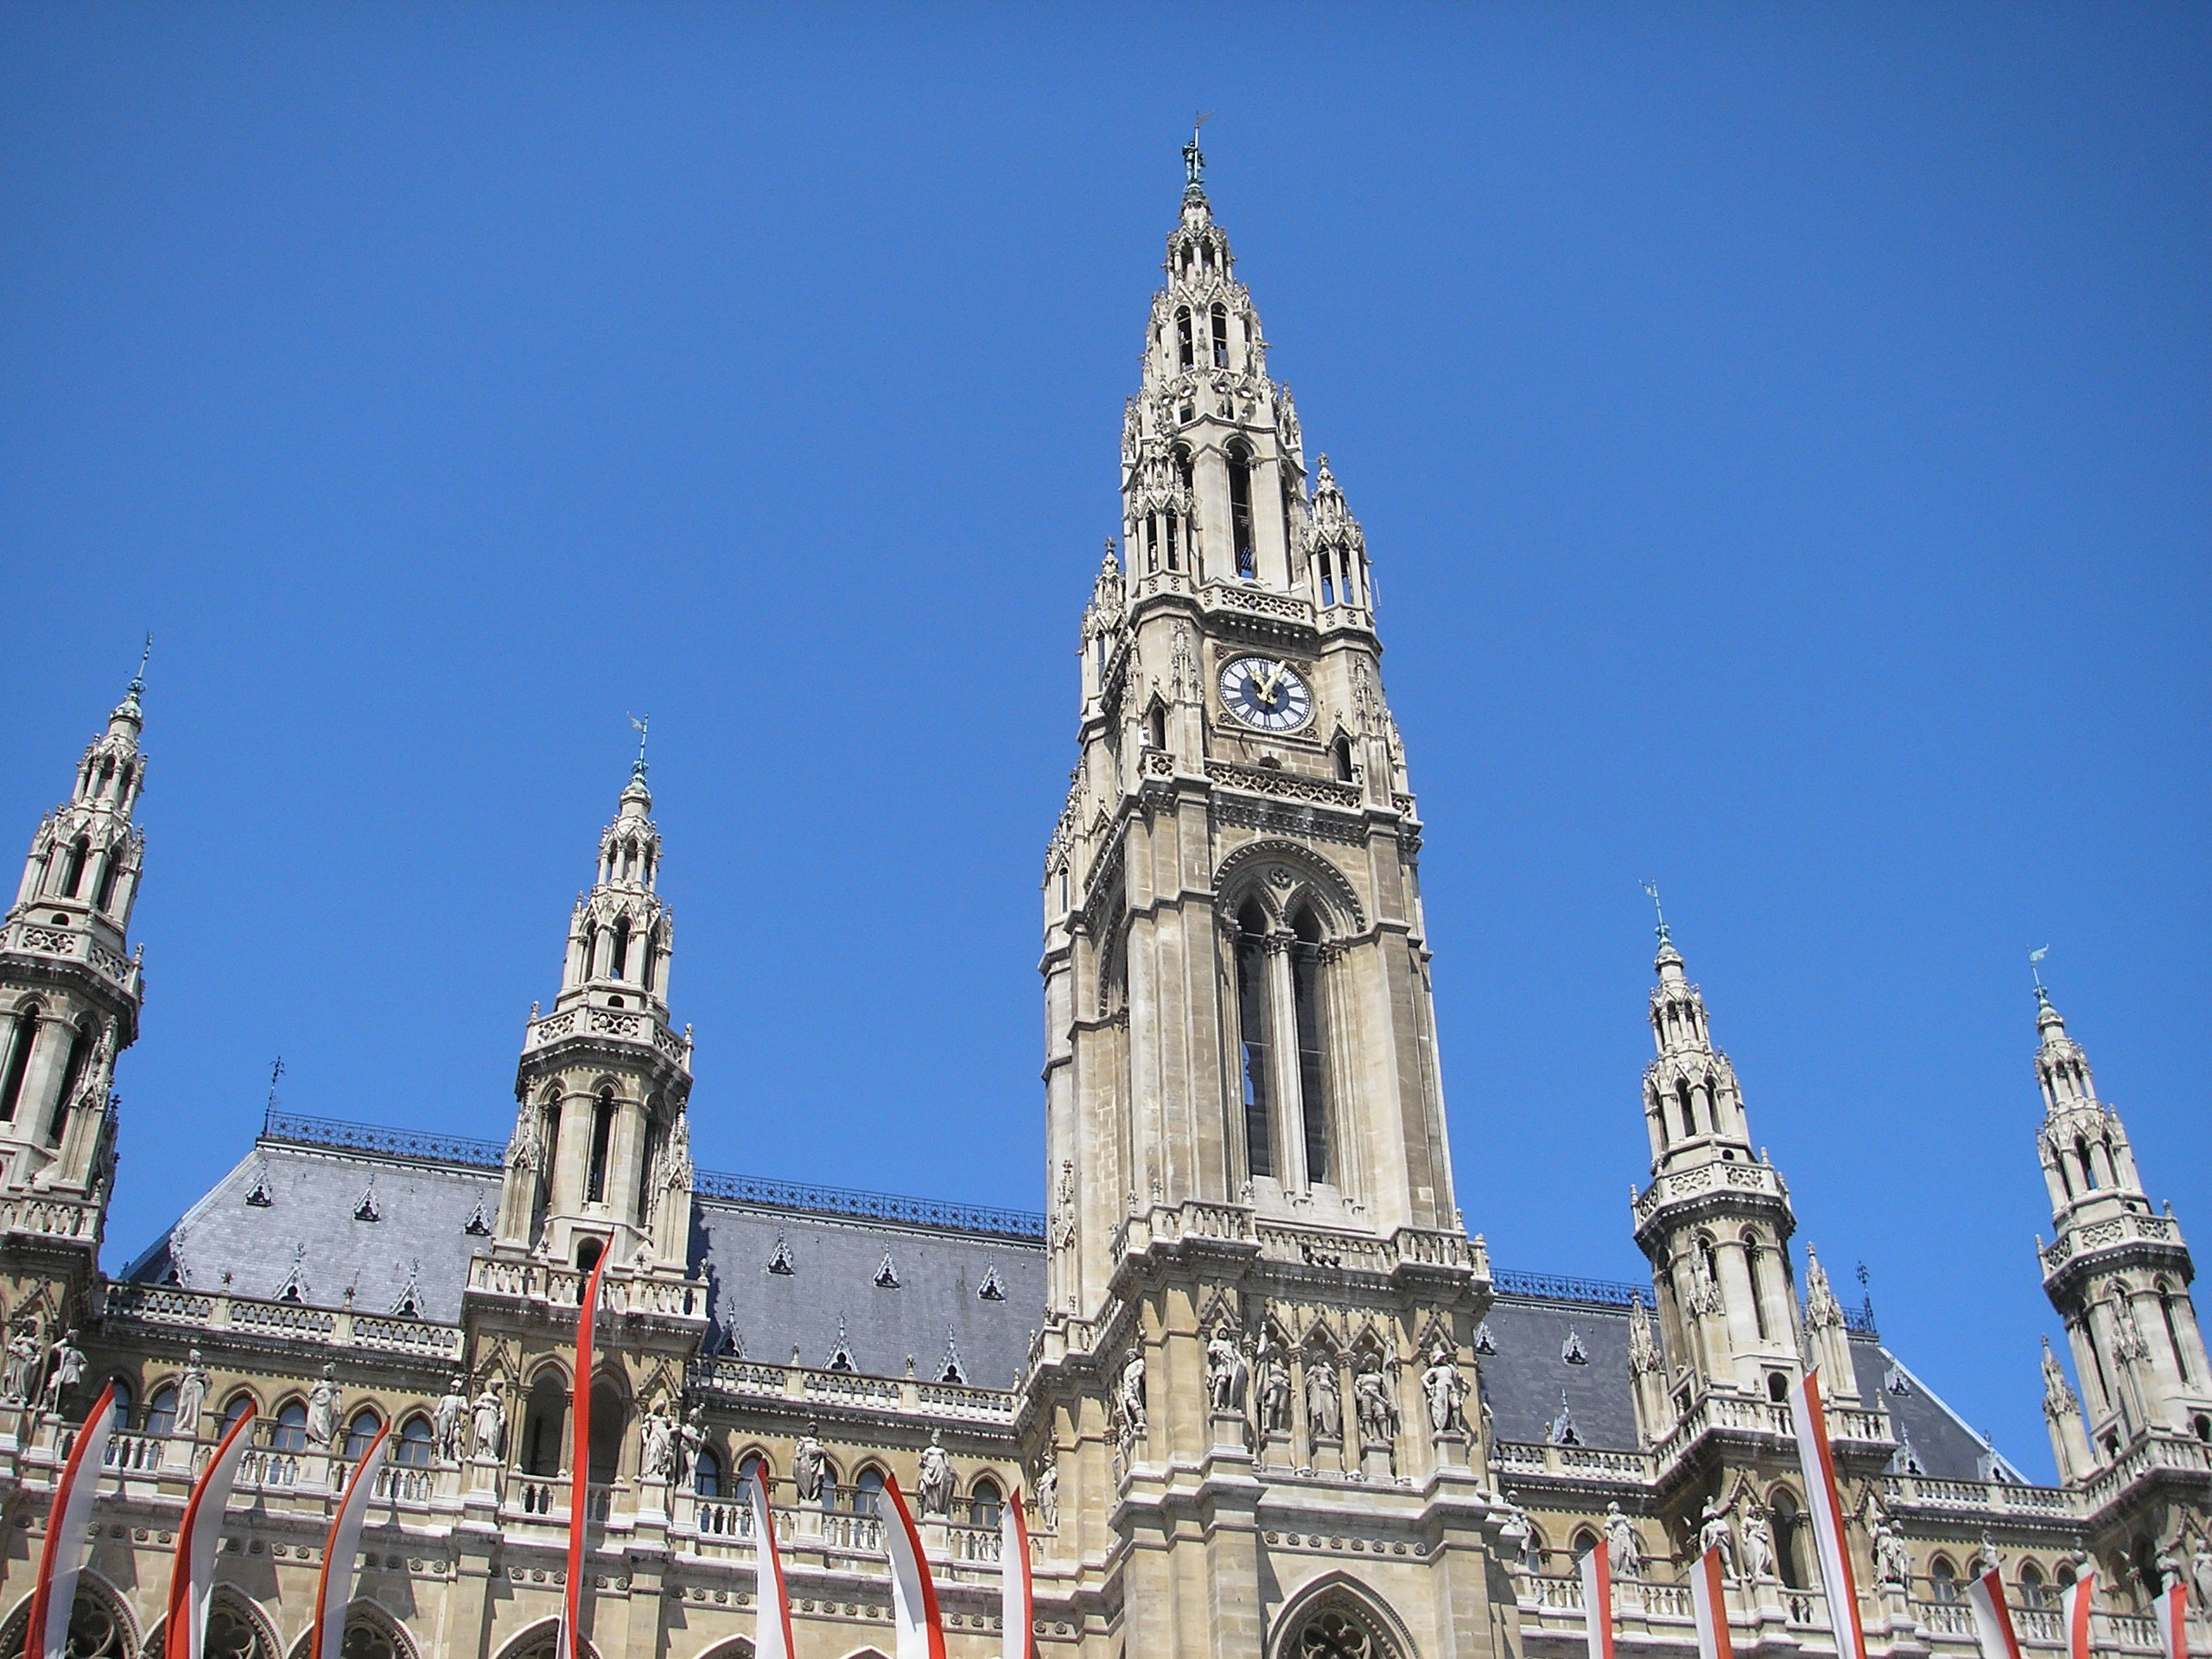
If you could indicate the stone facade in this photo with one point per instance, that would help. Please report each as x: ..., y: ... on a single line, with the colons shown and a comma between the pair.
x: 1261, y: 1390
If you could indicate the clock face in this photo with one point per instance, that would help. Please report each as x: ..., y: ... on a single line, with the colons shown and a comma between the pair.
x: 1268, y: 695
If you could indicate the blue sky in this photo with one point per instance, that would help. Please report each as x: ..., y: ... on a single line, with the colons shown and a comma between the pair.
x: 1781, y: 432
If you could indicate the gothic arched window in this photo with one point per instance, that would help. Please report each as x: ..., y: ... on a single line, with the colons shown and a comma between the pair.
x: 621, y: 960
x: 360, y: 1432
x: 1242, y: 536
x: 1220, y: 335
x: 1174, y: 552
x: 1156, y: 734
x: 2088, y: 1169
x: 1322, y: 563
x: 417, y: 1445
x: 984, y: 1502
x: 2173, y: 1330
x: 290, y: 1432
x: 1789, y: 1526
x: 1942, y: 1582
x: 1253, y: 1019
x: 72, y: 1074
x: 161, y: 1411
x: 754, y: 1467
x: 1183, y: 350
x: 1753, y: 1261
x: 707, y: 1472
x: 73, y: 873
x: 1307, y: 993
x: 1682, y: 1101
x: 544, y: 1421
x: 602, y: 1135
x: 22, y: 1034
x: 1341, y: 751
x: 241, y: 1402
x: 2032, y: 1594
x: 610, y: 1415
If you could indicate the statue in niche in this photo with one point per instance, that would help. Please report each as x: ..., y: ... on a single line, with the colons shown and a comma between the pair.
x: 322, y: 1409
x: 191, y: 1395
x: 1758, y: 1544
x: 453, y: 1413
x: 2058, y: 1394
x: 1378, y: 1413
x: 808, y: 1464
x: 2200, y: 1575
x: 1325, y: 1417
x: 935, y: 1482
x: 490, y: 1419
x: 656, y: 1447
x: 1986, y: 1558
x: 1048, y: 1490
x: 1274, y: 1388
x: 23, y: 1368
x: 1892, y: 1559
x: 1130, y: 1396
x: 1445, y: 1391
x: 1624, y: 1553
x: 65, y: 1369
x: 690, y: 1441
x: 1714, y: 1532
x: 1227, y: 1372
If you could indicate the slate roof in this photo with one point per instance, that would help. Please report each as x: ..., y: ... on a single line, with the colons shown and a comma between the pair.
x: 296, y: 1210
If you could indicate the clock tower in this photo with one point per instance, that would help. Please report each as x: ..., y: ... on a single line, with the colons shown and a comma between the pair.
x: 1261, y: 1292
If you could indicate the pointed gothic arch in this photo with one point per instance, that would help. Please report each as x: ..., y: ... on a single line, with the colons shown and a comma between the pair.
x: 101, y: 1625
x: 371, y: 1631
x: 1336, y: 1617
x: 1336, y: 900
x: 540, y: 1640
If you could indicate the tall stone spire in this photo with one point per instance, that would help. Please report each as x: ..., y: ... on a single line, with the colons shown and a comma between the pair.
x: 2117, y: 1272
x: 70, y: 990
x: 601, y: 1153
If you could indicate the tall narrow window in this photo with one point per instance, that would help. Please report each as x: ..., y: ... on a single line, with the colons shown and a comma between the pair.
x: 111, y: 868
x: 1689, y: 1113
x: 73, y: 874
x: 602, y: 1135
x: 24, y: 1033
x: 1240, y: 513
x: 650, y: 963
x: 1252, y: 1019
x: 2088, y: 1169
x: 622, y: 947
x: 645, y: 1168
x: 1788, y: 1524
x: 1342, y: 751
x: 1753, y: 1267
x: 1174, y: 554
x: 1151, y: 543
x: 1313, y: 1057
x: 1221, y: 336
x: 2173, y: 1331
x: 1156, y: 728
x: 73, y: 1073
x: 591, y: 947
x: 1183, y: 359
x: 1328, y: 580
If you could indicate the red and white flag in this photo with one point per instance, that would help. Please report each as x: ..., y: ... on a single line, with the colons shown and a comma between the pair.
x: 574, y: 1643
x: 1598, y: 1603
x: 53, y: 1594
x: 2080, y: 1601
x: 1709, y: 1602
x: 334, y: 1588
x: 2172, y: 1609
x: 1017, y: 1593
x: 191, y: 1578
x: 914, y: 1597
x: 772, y: 1626
x: 1993, y: 1620
x: 1817, y: 1460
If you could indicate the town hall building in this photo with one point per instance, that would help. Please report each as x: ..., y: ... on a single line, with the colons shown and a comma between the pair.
x: 1250, y: 1369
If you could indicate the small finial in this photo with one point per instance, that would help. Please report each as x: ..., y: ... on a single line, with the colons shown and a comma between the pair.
x: 1194, y: 160
x: 637, y: 767
x: 1652, y: 887
x: 138, y: 680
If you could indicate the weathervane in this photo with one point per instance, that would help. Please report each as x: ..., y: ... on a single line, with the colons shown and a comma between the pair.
x: 276, y: 1070
x: 1194, y: 160
x: 641, y: 721
x: 138, y: 680
x: 1652, y: 887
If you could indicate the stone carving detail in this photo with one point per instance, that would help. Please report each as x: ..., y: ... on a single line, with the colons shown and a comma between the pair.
x: 1228, y: 1373
x: 2058, y: 1399
x: 22, y: 1371
x: 1704, y: 1293
x: 935, y: 1482
x: 807, y: 1465
x: 65, y: 1369
x: 489, y: 1420
x: 2128, y: 1346
x: 1572, y: 1352
x: 1714, y: 1532
x: 450, y: 1425
x: 1129, y: 1402
x: 191, y: 1395
x: 1643, y: 1343
x: 1378, y: 1412
x: 1275, y: 1387
x: 1562, y: 1431
x: 322, y: 1409
x: 1325, y: 1417
x: 1048, y: 1490
x: 1445, y: 1391
x: 656, y: 1445
x: 1624, y: 1553
x: 1822, y: 1310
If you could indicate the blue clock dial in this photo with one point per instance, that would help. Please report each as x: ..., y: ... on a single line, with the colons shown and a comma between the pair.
x: 1269, y: 696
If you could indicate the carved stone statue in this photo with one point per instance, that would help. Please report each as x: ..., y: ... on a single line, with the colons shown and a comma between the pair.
x: 690, y: 1441
x: 322, y: 1409
x: 1445, y: 1391
x: 1274, y: 1391
x: 1226, y: 1372
x: 1324, y: 1414
x: 1624, y: 1553
x: 1048, y: 1490
x: 1378, y: 1413
x: 1758, y: 1544
x: 2058, y: 1399
x: 490, y: 1419
x: 191, y: 1395
x: 1822, y: 1308
x: 2200, y: 1576
x: 1705, y: 1294
x: 522, y: 1148
x: 935, y: 1482
x: 1892, y: 1559
x: 1714, y: 1532
x: 453, y: 1414
x: 65, y: 1369
x: 1986, y: 1558
x: 657, y: 1447
x: 1129, y: 1396
x: 808, y: 1464
x: 1642, y: 1344
x: 23, y: 1368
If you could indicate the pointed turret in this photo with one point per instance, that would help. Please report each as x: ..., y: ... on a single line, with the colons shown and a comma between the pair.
x: 599, y: 1157
x: 70, y: 990
x: 2117, y: 1272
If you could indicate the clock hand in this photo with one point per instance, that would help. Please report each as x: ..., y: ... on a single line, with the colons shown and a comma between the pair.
x: 1275, y: 680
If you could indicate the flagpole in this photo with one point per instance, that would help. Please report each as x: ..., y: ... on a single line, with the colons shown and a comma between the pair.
x: 53, y: 1594
x: 573, y: 1640
x: 192, y: 1577
x: 335, y: 1584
